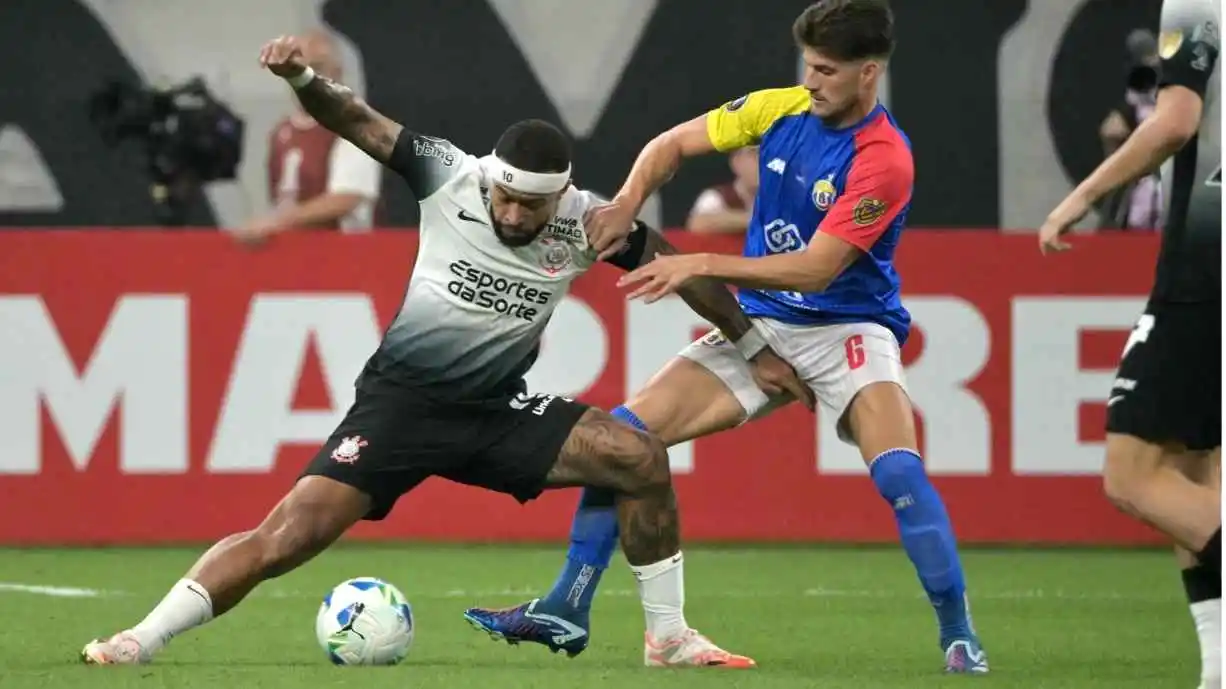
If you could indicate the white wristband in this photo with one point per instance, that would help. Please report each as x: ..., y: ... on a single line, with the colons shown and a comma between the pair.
x: 750, y: 344
x: 306, y: 77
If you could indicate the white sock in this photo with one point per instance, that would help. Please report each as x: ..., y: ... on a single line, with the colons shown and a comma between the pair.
x: 1208, y: 617
x: 662, y: 590
x: 186, y: 605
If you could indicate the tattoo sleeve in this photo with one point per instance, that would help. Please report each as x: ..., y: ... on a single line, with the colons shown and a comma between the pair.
x: 337, y: 108
x: 708, y: 298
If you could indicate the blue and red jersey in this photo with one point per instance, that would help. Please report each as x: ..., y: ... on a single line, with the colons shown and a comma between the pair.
x: 854, y: 183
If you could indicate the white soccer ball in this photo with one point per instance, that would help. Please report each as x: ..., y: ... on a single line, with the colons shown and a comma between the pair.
x: 365, y: 621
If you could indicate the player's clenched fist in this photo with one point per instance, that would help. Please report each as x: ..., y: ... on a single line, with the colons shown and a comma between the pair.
x: 283, y: 57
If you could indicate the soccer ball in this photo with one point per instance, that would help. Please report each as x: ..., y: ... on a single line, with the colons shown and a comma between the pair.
x: 365, y: 621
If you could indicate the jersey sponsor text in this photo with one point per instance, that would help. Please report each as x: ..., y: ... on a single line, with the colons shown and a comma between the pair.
x: 498, y: 294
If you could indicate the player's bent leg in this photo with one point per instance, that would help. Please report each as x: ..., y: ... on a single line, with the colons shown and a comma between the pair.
x: 881, y: 421
x: 316, y: 512
x: 1201, y: 583
x: 708, y: 388
x: 685, y: 400
x: 1139, y: 480
x: 604, y: 452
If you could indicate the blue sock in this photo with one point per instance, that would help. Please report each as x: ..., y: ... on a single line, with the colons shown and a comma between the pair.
x: 927, y: 536
x: 593, y: 538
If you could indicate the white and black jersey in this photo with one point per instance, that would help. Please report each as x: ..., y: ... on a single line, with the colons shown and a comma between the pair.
x: 1190, y: 267
x: 1168, y: 387
x: 474, y: 310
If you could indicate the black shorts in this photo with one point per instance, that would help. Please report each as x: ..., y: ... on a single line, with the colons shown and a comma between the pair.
x: 1169, y: 385
x: 394, y: 437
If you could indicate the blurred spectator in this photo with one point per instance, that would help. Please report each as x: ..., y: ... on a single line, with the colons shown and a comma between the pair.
x: 725, y: 208
x: 1137, y: 206
x: 315, y: 178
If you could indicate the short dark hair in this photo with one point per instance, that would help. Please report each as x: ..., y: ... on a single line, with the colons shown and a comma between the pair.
x: 534, y: 146
x: 847, y: 30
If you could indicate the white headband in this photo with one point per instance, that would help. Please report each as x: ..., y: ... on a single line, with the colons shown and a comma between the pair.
x: 527, y: 182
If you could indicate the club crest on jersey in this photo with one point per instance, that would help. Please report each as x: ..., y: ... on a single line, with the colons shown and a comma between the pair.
x: 868, y: 211
x: 555, y: 256
x: 824, y: 192
x: 349, y: 449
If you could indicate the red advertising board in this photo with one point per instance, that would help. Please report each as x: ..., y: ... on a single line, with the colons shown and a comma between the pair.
x: 168, y: 386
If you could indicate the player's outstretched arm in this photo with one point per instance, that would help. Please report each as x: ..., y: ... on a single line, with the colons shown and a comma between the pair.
x: 1174, y: 122
x: 713, y: 301
x: 661, y: 158
x: 878, y: 189
x: 332, y: 104
x: 656, y: 164
x: 710, y: 299
x: 736, y: 124
x: 1189, y: 49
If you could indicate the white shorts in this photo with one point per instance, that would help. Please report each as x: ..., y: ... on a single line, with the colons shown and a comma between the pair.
x: 836, y: 361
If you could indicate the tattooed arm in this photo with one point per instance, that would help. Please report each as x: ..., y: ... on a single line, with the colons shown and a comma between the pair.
x: 710, y: 299
x: 337, y: 108
x: 332, y: 104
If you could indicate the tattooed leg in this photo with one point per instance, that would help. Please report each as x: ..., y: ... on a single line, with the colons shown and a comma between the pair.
x: 604, y: 452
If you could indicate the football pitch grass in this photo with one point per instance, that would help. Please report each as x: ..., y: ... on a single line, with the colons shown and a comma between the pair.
x: 811, y: 617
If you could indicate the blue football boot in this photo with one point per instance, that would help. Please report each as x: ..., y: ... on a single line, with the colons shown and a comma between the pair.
x: 965, y: 656
x: 527, y: 623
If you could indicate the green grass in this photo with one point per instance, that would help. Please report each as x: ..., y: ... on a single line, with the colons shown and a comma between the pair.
x: 812, y: 617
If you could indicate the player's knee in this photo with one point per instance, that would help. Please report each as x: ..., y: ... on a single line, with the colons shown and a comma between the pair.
x: 275, y: 550
x: 660, y: 475
x: 647, y: 466
x: 1198, y: 467
x: 879, y: 418
x: 297, y: 535
x: 1126, y: 478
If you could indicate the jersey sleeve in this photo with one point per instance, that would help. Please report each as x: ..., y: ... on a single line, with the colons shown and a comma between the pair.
x: 878, y: 188
x: 744, y: 121
x: 1189, y: 43
x: 631, y: 255
x: 351, y: 171
x: 426, y: 163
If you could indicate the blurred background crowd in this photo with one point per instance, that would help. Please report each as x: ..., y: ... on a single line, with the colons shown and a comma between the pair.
x: 139, y: 113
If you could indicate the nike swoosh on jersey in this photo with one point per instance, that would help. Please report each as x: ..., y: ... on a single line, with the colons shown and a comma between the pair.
x: 463, y: 214
x: 1114, y: 399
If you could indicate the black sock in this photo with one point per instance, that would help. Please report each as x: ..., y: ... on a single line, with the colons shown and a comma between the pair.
x: 1201, y: 584
x: 1211, y: 555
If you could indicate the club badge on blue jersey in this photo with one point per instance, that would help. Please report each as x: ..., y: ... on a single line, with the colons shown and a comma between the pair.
x: 824, y: 193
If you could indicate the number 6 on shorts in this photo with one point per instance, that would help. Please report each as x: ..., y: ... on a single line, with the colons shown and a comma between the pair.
x: 854, y: 347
